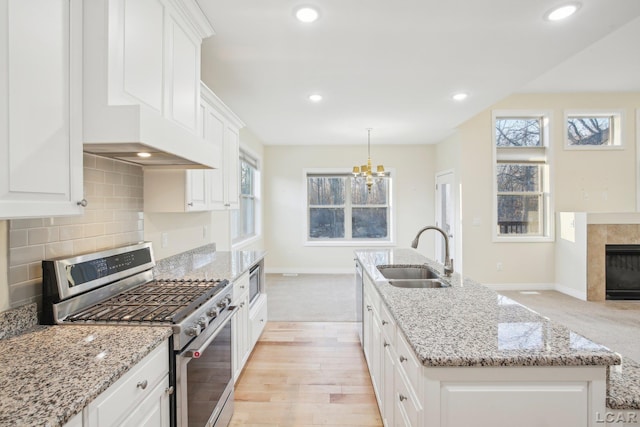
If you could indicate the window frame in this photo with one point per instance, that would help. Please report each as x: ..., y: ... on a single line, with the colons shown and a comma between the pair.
x: 616, y: 135
x: 541, y: 155
x: 242, y: 239
x: 307, y: 241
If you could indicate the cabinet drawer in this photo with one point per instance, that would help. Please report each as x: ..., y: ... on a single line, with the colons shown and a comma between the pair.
x: 409, y: 364
x: 372, y: 293
x: 119, y: 400
x: 387, y: 323
x: 240, y: 287
x: 407, y: 406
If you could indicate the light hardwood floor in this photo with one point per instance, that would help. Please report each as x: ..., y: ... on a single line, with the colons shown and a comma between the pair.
x: 306, y: 374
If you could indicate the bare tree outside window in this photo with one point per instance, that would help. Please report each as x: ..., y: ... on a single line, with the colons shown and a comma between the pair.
x: 589, y: 130
x: 519, y: 176
x: 342, y: 208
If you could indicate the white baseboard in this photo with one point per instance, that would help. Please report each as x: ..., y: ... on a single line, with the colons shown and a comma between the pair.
x: 582, y: 295
x: 293, y: 271
x: 521, y: 286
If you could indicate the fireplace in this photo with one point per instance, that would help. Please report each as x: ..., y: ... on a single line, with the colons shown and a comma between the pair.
x: 622, y: 272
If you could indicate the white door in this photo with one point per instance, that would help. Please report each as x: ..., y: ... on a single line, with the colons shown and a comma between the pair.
x: 445, y: 213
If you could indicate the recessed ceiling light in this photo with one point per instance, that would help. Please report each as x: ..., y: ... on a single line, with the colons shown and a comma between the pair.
x: 143, y: 154
x: 460, y: 96
x: 562, y: 12
x: 307, y: 14
x: 315, y: 97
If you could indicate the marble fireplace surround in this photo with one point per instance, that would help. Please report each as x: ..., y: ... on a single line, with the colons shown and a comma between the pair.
x: 598, y: 236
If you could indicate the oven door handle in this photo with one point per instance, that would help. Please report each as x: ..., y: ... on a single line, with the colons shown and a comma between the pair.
x: 195, y: 354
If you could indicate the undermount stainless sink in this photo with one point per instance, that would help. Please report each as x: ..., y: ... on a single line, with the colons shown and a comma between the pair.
x: 404, y: 272
x: 419, y: 283
x: 411, y: 276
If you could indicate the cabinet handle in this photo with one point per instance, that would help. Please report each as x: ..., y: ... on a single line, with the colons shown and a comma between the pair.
x: 169, y: 390
x: 241, y: 286
x: 402, y: 398
x: 82, y: 203
x: 227, y: 204
x: 142, y: 384
x: 403, y: 359
x: 190, y: 204
x: 368, y: 308
x: 262, y: 320
x: 386, y: 344
x: 384, y: 322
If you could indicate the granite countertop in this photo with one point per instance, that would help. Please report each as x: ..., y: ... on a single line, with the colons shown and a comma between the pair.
x: 469, y: 324
x: 206, y: 262
x: 50, y: 373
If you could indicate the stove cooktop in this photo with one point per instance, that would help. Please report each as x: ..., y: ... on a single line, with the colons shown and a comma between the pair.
x: 162, y: 301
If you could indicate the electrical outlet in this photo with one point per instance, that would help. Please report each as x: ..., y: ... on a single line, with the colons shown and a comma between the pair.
x: 164, y: 240
x: 499, y: 266
x: 204, y: 231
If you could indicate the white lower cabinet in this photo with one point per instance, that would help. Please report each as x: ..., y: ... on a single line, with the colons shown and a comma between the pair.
x: 410, y: 394
x: 258, y: 318
x: 240, y: 335
x: 138, y: 398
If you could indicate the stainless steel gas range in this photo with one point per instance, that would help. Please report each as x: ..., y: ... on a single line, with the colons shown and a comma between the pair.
x: 117, y: 286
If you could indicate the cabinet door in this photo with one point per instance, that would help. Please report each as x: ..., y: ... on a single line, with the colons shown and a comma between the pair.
x: 258, y: 319
x: 232, y: 166
x: 388, y: 379
x: 40, y: 107
x: 214, y: 126
x: 183, y: 75
x: 153, y: 411
x: 137, y: 60
x: 197, y: 186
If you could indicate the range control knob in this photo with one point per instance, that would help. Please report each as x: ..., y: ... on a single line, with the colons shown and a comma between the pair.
x: 213, y: 312
x: 227, y: 298
x: 222, y: 304
x: 202, y: 322
x: 193, y: 330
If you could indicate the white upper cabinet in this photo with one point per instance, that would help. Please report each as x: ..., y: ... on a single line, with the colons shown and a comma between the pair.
x: 142, y: 77
x: 222, y: 130
x: 40, y: 108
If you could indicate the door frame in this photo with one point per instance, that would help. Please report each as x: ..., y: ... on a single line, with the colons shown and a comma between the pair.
x: 456, y: 207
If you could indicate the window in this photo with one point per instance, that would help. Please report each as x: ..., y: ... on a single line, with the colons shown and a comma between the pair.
x: 244, y: 220
x: 593, y: 130
x: 342, y: 209
x: 521, y: 183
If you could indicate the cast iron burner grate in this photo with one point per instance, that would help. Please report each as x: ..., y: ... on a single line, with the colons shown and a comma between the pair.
x: 164, y: 301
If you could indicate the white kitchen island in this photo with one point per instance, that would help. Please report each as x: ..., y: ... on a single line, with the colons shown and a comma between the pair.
x: 464, y: 355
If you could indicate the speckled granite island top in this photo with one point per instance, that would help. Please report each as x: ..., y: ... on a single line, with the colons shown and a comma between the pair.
x: 468, y: 324
x: 206, y: 262
x: 51, y: 373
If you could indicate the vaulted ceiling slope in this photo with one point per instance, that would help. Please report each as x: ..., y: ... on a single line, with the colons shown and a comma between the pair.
x: 394, y: 65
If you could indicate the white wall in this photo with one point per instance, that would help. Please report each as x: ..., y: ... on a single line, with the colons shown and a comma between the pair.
x: 285, y: 204
x: 607, y: 177
x: 571, y: 254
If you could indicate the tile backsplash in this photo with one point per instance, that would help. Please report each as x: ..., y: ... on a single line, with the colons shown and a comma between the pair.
x: 113, y: 217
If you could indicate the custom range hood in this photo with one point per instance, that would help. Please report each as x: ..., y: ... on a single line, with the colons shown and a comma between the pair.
x: 141, y: 83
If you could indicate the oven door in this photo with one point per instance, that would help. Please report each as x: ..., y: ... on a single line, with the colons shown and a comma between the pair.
x: 204, y: 378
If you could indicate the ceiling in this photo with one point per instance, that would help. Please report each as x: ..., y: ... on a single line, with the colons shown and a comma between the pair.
x: 393, y: 65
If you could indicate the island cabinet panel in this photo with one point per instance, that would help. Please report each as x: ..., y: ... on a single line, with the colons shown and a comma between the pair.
x: 508, y: 404
x: 533, y: 396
